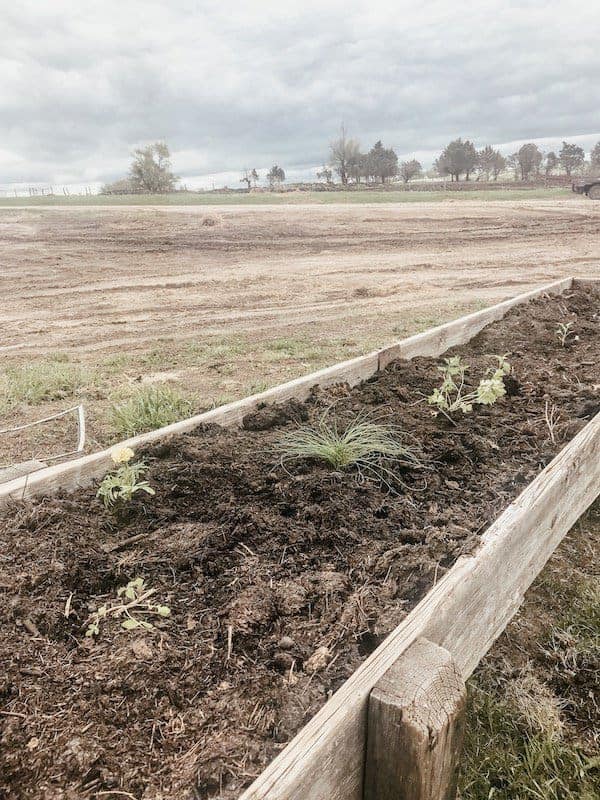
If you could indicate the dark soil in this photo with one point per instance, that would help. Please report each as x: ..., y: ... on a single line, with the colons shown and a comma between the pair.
x: 280, y: 581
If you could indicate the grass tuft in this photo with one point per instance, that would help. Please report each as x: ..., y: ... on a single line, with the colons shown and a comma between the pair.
x: 152, y: 407
x: 368, y: 446
x: 509, y: 756
x: 43, y: 381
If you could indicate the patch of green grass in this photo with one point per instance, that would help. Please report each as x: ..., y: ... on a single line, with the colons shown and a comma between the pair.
x: 509, y: 757
x: 420, y: 322
x: 292, y: 197
x: 42, y: 381
x: 256, y: 388
x: 152, y: 407
x: 116, y: 363
x: 581, y: 621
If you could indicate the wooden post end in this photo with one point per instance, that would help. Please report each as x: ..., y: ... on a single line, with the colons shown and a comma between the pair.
x: 415, y: 727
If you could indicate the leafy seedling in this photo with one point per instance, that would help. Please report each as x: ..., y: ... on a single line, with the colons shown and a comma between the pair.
x: 132, y: 603
x: 119, y: 486
x: 452, y: 396
x: 565, y: 333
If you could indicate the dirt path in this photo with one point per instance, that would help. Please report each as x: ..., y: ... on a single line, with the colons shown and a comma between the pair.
x: 93, y: 283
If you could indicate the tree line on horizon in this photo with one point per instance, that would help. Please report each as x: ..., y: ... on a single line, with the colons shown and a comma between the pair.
x: 460, y: 157
x: 151, y: 170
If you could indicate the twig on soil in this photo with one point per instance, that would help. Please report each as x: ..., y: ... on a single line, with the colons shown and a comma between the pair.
x: 551, y: 417
x: 130, y: 540
x: 229, y: 641
x: 67, y: 610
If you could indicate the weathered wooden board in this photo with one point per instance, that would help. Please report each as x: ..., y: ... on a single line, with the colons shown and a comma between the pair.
x: 464, y: 613
x: 20, y: 469
x: 437, y: 340
x: 82, y: 471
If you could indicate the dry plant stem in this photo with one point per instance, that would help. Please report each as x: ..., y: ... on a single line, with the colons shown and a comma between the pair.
x: 551, y: 417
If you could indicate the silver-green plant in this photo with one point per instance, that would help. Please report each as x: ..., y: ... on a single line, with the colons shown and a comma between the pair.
x: 370, y: 447
x: 132, y: 603
x: 451, y: 396
x: 119, y: 486
x: 565, y: 333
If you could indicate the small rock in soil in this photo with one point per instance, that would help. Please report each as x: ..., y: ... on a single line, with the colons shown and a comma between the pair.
x: 318, y: 661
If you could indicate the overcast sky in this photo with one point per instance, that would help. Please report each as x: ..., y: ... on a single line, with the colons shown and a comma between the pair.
x: 230, y: 85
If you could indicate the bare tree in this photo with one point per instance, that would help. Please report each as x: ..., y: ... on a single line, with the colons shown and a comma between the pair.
x: 247, y: 179
x: 343, y: 152
x: 571, y: 156
x: 512, y: 162
x: 499, y: 164
x: 358, y: 167
x: 529, y: 158
x: 275, y: 176
x: 250, y: 178
x: 410, y: 169
x: 151, y: 169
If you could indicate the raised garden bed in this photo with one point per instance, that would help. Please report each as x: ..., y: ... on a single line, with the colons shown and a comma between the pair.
x: 281, y: 581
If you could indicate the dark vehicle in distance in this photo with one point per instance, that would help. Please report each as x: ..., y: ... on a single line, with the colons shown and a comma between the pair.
x: 589, y: 186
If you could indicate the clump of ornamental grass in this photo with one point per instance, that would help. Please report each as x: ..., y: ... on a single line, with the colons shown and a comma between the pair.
x: 151, y: 408
x: 452, y: 395
x: 119, y: 486
x: 369, y: 447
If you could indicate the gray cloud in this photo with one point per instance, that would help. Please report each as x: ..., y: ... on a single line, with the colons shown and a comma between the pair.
x: 230, y: 85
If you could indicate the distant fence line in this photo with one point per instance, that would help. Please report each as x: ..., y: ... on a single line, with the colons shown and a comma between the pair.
x: 47, y: 191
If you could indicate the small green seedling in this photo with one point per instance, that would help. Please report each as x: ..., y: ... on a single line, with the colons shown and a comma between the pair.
x: 118, y: 487
x: 451, y: 395
x: 133, y: 603
x: 565, y: 333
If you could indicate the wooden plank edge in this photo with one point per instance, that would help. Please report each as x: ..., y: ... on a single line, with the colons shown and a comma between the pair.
x: 593, y: 282
x: 437, y: 340
x: 82, y: 471
x: 462, y: 613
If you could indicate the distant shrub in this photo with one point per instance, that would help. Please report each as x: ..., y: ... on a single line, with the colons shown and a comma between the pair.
x: 152, y: 407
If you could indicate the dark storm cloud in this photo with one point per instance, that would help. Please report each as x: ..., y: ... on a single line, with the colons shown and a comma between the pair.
x: 231, y: 84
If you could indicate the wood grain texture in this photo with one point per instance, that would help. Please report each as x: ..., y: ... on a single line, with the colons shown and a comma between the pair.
x: 21, y: 469
x: 82, y: 471
x: 416, y: 727
x: 464, y: 613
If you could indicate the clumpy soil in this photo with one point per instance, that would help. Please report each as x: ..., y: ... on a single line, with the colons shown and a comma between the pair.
x: 280, y: 580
